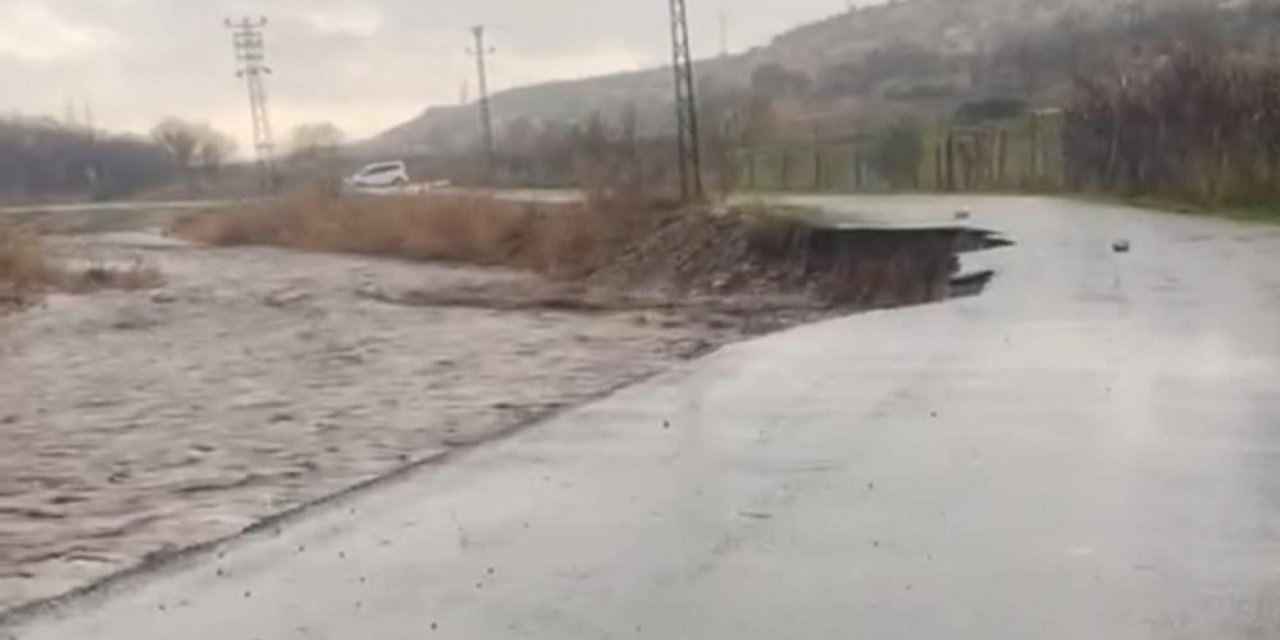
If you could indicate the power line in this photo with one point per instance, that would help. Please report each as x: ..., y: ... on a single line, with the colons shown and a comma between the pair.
x: 486, y: 117
x: 250, y: 48
x: 686, y: 105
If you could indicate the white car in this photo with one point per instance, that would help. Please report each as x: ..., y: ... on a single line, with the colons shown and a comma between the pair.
x: 379, y: 175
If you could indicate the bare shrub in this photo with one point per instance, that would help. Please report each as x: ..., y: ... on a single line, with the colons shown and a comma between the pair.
x: 1198, y: 125
x: 27, y: 272
x: 136, y: 275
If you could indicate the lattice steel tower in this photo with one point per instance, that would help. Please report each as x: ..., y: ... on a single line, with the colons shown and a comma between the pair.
x: 486, y: 116
x: 250, y: 48
x: 686, y: 105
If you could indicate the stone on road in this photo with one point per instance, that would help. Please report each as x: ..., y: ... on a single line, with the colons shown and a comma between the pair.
x: 1091, y: 449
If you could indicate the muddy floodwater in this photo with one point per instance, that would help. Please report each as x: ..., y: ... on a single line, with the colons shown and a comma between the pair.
x: 256, y: 380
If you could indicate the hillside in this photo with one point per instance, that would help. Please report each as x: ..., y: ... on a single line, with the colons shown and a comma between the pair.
x: 924, y: 54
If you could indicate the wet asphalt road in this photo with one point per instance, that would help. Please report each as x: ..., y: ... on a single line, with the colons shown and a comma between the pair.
x: 1091, y: 449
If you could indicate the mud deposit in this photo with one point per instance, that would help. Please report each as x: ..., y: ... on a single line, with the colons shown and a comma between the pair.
x: 257, y: 380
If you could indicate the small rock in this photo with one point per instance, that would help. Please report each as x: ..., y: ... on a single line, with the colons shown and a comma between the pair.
x: 963, y: 214
x: 1121, y: 246
x: 720, y: 323
x: 163, y: 297
x: 696, y: 349
x: 282, y: 299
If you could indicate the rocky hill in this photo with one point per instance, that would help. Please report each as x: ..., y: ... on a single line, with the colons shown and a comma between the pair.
x: 904, y: 50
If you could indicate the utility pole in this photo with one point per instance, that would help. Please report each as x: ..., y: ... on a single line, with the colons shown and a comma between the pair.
x: 250, y: 48
x: 724, y: 33
x: 686, y: 105
x: 486, y: 118
x: 88, y: 116
x: 69, y: 115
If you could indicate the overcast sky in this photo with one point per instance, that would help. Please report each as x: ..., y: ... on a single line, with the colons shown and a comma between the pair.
x: 364, y: 65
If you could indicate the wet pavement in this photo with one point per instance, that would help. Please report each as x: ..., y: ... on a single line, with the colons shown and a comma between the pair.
x: 1090, y: 449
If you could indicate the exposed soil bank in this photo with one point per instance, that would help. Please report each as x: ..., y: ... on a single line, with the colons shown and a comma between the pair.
x: 754, y: 256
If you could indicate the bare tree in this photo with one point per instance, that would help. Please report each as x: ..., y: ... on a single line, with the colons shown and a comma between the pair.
x: 313, y: 154
x: 312, y: 140
x: 43, y: 158
x: 216, y: 148
x: 194, y: 146
x: 180, y: 138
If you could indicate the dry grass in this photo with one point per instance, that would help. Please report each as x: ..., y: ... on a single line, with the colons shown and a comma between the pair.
x: 28, y: 271
x: 558, y: 240
x: 25, y: 271
x: 618, y: 240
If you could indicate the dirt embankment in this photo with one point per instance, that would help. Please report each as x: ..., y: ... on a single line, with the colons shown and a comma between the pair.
x: 619, y: 246
x: 749, y: 253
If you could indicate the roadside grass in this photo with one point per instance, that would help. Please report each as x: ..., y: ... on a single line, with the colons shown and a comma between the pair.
x: 562, y: 241
x: 1257, y: 214
x: 28, y: 271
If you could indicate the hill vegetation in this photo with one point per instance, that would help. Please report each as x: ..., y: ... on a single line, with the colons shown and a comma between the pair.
x: 905, y: 56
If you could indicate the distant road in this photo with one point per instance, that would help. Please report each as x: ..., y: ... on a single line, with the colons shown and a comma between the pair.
x: 91, y: 207
x: 1088, y: 450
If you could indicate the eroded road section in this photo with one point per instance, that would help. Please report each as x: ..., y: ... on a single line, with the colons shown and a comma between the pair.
x: 1088, y: 450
